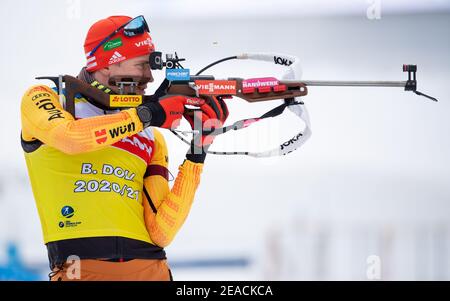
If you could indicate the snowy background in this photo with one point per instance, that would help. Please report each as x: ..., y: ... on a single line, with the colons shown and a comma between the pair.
x: 367, y: 197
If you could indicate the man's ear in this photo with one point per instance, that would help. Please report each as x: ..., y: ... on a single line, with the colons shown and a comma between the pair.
x: 104, y: 72
x: 102, y: 75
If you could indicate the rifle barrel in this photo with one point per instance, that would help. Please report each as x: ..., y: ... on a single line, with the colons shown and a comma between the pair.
x: 354, y: 83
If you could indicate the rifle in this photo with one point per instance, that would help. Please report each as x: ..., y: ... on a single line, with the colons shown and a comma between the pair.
x: 179, y: 81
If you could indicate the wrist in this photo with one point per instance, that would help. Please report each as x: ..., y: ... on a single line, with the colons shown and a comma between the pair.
x: 196, y: 158
x: 196, y: 154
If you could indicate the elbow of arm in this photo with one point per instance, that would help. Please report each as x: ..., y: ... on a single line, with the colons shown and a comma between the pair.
x: 161, y: 240
x: 160, y: 237
x: 161, y: 243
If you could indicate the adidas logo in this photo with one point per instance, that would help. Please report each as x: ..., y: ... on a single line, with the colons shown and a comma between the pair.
x: 116, y: 57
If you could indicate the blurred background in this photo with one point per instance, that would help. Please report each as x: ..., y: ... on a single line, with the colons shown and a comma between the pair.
x: 366, y: 198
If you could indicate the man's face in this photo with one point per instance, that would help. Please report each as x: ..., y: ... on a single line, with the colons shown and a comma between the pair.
x: 134, y: 67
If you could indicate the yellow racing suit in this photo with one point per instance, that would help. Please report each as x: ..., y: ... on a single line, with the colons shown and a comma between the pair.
x: 100, y: 180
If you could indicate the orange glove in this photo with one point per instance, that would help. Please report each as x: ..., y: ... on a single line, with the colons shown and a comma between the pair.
x: 212, y: 115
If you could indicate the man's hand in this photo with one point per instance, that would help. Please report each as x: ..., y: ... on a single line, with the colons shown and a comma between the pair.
x: 167, y: 111
x: 211, y: 115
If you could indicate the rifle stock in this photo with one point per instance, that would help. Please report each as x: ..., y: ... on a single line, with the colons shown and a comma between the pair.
x: 74, y: 86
